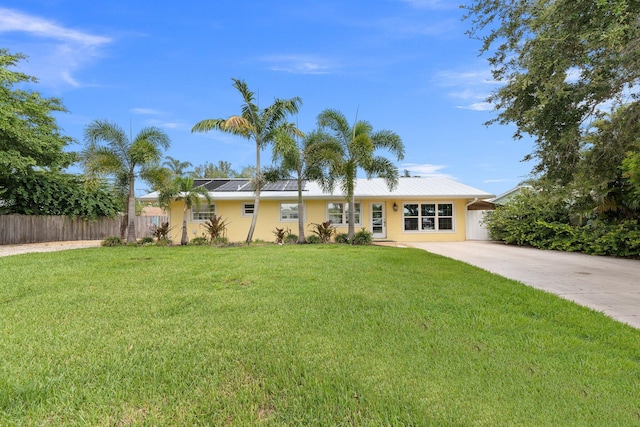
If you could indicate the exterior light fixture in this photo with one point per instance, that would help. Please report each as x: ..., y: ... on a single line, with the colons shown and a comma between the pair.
x: 395, y: 207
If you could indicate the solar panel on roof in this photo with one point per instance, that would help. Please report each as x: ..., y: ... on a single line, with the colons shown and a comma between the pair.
x: 235, y: 185
x: 212, y: 184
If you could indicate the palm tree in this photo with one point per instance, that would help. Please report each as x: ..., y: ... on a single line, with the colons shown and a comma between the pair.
x: 358, y: 146
x: 108, y: 152
x: 253, y: 124
x: 307, y: 159
x: 176, y: 167
x: 182, y: 189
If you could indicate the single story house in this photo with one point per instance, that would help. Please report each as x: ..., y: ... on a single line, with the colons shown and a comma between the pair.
x: 418, y: 209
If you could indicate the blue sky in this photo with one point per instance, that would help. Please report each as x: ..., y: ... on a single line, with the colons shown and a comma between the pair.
x: 403, y: 65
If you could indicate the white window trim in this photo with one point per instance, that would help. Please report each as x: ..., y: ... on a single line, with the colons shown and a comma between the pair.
x: 289, y: 219
x: 436, y: 202
x: 243, y: 212
x: 345, y: 215
x: 212, y: 208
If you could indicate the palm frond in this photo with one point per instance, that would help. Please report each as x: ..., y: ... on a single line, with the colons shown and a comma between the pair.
x: 241, y: 86
x: 335, y: 121
x: 108, y: 132
x: 154, y: 136
x: 389, y: 141
x: 382, y: 167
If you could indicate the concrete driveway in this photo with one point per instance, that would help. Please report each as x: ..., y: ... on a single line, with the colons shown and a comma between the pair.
x: 606, y: 284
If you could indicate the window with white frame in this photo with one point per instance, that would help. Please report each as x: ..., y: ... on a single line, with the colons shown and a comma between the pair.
x: 202, y: 213
x: 289, y: 212
x: 425, y: 217
x: 338, y: 213
x: 247, y: 209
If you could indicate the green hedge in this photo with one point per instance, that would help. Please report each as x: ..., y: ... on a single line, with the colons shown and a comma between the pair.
x: 531, y: 219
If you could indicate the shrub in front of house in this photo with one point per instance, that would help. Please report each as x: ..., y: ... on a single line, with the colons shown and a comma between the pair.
x: 537, y: 220
x: 220, y: 241
x: 291, y: 238
x: 362, y: 237
x: 324, y: 231
x: 199, y: 241
x: 112, y: 241
x: 280, y: 234
x: 342, y: 238
x: 314, y: 239
x: 145, y: 241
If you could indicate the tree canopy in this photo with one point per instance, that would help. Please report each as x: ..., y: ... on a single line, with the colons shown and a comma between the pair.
x: 33, y: 156
x: 29, y: 135
x: 53, y: 193
x: 562, y: 63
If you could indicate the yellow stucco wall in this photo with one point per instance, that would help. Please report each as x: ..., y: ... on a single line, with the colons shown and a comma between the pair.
x: 316, y: 212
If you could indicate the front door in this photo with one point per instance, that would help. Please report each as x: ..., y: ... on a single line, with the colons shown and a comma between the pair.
x: 378, y: 221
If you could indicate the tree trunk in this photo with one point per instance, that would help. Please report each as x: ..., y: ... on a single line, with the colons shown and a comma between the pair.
x: 124, y: 223
x: 352, y: 215
x: 256, y: 203
x: 185, y: 239
x: 131, y: 212
x: 254, y: 218
x: 301, y: 238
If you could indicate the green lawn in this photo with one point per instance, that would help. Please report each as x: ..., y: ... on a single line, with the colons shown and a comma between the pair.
x: 288, y: 335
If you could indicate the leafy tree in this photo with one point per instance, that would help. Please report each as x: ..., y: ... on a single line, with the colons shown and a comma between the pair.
x: 109, y: 152
x: 30, y: 140
x: 357, y: 148
x: 611, y: 140
x: 51, y: 193
x: 560, y: 62
x: 253, y: 124
x: 300, y: 160
x: 32, y: 154
x: 209, y: 170
x: 248, y: 171
x: 183, y: 190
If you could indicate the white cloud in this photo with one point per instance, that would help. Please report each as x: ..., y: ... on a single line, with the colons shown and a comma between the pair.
x: 299, y: 64
x: 163, y: 124
x: 59, y: 52
x: 477, y: 106
x: 462, y: 78
x: 426, y: 170
x: 11, y: 20
x: 471, y: 85
x: 145, y: 111
x: 171, y: 125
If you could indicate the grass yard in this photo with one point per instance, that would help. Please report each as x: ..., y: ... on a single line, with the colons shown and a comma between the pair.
x: 287, y: 335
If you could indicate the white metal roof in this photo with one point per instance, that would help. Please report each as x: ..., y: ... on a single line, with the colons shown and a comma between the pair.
x: 365, y: 188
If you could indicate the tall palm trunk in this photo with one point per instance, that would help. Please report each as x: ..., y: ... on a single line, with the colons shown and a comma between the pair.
x: 301, y: 238
x: 352, y: 216
x: 256, y: 203
x: 184, y: 239
x: 131, y: 213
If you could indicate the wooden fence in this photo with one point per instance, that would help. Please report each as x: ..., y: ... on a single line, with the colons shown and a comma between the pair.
x: 19, y: 229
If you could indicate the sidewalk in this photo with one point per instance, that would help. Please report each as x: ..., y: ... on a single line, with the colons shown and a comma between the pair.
x: 7, y: 250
